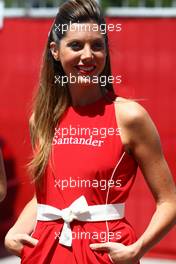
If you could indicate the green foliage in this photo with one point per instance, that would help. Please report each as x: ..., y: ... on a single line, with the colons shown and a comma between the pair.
x: 167, y: 3
x: 135, y: 3
x: 104, y: 3
x: 150, y: 3
x: 8, y: 3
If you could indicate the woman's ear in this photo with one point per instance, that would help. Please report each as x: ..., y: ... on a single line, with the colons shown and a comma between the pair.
x: 54, y: 50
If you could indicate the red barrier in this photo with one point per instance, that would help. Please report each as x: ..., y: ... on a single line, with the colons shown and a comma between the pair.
x: 143, y: 53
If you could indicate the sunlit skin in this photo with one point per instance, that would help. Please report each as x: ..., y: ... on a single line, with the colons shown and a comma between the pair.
x: 82, y: 48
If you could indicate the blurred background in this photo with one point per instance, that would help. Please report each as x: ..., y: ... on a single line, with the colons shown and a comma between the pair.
x: 143, y: 53
x: 104, y: 3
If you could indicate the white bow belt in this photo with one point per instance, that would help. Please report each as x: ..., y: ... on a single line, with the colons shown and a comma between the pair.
x: 79, y: 210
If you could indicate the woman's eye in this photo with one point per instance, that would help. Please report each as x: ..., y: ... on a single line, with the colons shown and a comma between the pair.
x: 98, y: 46
x: 75, y: 45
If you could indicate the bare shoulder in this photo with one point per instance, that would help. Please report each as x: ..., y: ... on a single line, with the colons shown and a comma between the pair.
x: 136, y: 124
x: 130, y: 112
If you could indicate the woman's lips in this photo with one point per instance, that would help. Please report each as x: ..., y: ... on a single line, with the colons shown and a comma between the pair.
x: 86, y: 69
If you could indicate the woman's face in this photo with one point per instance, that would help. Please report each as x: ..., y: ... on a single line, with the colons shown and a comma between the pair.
x: 82, y: 53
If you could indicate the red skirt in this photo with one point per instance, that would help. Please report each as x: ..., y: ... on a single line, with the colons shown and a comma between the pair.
x: 49, y: 251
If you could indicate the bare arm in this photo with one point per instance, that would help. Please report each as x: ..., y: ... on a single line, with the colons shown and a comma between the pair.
x: 145, y: 145
x: 141, y: 139
x: 20, y: 233
x: 3, y: 183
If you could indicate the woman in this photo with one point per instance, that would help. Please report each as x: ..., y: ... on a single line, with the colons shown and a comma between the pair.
x: 88, y: 144
x: 3, y: 184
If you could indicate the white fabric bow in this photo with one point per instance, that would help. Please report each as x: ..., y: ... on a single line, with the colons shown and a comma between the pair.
x: 77, y: 209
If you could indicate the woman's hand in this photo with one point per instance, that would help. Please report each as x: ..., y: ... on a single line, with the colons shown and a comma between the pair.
x: 118, y: 252
x: 19, y: 234
x: 14, y: 242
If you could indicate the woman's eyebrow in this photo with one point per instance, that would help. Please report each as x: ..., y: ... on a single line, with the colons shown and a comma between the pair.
x: 82, y: 40
x: 74, y: 39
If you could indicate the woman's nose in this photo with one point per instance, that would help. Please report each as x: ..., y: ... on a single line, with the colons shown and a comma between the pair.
x: 87, y: 54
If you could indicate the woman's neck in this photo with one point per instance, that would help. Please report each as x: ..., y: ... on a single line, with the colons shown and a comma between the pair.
x: 85, y: 95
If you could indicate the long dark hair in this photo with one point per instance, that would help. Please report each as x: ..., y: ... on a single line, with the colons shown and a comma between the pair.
x: 52, y: 100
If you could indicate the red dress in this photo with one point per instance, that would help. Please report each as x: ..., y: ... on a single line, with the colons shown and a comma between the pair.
x: 86, y: 146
